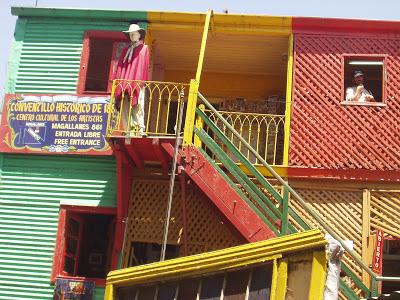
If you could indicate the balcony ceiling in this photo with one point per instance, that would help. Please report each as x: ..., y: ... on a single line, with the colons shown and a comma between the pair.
x: 226, y: 53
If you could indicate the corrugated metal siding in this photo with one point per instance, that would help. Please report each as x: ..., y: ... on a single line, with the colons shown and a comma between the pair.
x: 32, y: 188
x: 51, y: 52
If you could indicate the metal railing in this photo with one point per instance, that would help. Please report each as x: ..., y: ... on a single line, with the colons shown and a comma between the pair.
x: 296, y: 197
x: 264, y: 132
x: 140, y: 108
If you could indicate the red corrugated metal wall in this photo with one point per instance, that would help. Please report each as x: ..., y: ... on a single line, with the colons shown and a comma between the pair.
x: 326, y: 134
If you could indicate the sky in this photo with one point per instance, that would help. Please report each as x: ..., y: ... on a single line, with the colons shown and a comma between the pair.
x: 367, y: 9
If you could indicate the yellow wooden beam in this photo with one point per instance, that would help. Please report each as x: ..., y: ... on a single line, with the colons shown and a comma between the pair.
x: 274, y: 282
x: 318, y: 276
x: 281, y: 170
x: 217, y: 260
x: 194, y: 87
x: 190, y: 113
x: 203, y: 45
x: 288, y: 102
x: 199, y: 125
x: 365, y: 232
x: 279, y: 279
x: 281, y: 287
x: 109, y: 292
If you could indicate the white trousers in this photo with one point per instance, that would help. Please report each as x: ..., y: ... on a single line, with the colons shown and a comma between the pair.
x: 135, y: 124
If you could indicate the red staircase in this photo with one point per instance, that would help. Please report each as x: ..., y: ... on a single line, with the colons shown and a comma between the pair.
x: 140, y: 151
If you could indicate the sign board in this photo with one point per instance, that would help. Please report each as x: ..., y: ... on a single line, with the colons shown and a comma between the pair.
x: 70, y: 289
x: 55, y: 124
x: 377, y: 258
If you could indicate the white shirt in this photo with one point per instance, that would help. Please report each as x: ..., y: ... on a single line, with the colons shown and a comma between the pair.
x: 351, y: 91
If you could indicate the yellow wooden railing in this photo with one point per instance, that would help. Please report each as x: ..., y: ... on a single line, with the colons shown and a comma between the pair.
x: 158, y: 114
x: 293, y: 266
x: 264, y: 132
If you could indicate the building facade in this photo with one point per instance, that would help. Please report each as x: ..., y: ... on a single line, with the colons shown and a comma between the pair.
x: 83, y: 195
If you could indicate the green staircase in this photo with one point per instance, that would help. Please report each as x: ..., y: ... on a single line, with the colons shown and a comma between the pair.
x: 269, y: 203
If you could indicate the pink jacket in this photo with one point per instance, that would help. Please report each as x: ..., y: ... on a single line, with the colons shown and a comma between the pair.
x: 135, y: 69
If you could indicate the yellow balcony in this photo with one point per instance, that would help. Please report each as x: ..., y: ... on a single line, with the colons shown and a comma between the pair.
x: 158, y: 104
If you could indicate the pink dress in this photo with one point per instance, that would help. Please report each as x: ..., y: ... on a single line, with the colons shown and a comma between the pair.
x: 137, y: 68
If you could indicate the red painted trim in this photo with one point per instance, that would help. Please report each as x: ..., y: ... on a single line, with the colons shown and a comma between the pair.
x: 95, y: 210
x: 182, y: 181
x: 313, y: 25
x: 134, y: 155
x: 95, y: 34
x: 58, y: 260
x: 121, y: 211
x: 59, y: 247
x: 160, y: 155
x: 344, y: 174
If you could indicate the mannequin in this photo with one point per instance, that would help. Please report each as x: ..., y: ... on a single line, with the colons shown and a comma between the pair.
x: 133, y: 64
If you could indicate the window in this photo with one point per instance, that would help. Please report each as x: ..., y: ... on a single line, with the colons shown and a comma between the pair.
x: 145, y: 253
x: 101, y: 50
x: 373, y: 68
x: 391, y: 263
x: 84, y: 243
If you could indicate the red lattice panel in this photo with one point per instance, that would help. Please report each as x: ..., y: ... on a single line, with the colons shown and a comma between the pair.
x: 326, y: 134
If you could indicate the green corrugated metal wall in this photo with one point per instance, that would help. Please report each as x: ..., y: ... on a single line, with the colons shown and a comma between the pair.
x: 46, y: 53
x: 32, y: 188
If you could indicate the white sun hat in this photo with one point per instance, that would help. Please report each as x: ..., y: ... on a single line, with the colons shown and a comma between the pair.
x: 134, y: 27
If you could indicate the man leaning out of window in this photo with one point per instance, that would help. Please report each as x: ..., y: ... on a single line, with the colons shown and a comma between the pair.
x: 358, y: 92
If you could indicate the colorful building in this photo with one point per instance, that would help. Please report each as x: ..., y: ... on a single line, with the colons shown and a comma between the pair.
x: 268, y: 146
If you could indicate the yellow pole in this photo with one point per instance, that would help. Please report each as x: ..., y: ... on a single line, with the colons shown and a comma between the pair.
x: 194, y: 87
x: 280, y: 291
x: 199, y: 125
x: 318, y: 275
x: 203, y: 45
x: 288, y: 101
x: 109, y: 292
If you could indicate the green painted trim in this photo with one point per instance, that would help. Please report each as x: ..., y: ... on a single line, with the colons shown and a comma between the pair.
x: 347, y: 291
x: 125, y: 15
x: 15, y: 55
x: 240, y: 156
x: 285, y: 212
x: 1, y: 166
x: 374, y: 287
x: 355, y: 278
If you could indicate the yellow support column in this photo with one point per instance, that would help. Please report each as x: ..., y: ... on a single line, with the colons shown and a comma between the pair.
x: 365, y: 232
x: 288, y: 101
x: 318, y: 276
x: 190, y: 113
x: 199, y: 125
x: 194, y: 86
x: 109, y: 292
x: 280, y: 279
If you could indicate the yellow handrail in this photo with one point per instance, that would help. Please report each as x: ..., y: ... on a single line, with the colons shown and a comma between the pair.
x: 264, y: 132
x: 194, y: 86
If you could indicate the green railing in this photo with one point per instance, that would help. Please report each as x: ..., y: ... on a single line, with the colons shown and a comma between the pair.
x: 270, y: 203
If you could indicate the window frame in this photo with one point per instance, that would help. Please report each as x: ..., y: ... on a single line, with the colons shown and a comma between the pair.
x: 60, y: 246
x: 358, y: 56
x: 116, y: 37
